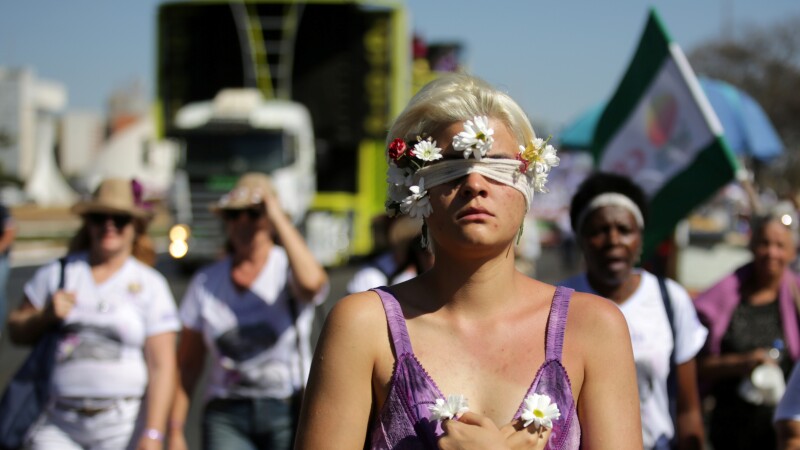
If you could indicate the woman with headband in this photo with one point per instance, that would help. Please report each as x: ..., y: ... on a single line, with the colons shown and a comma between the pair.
x: 471, y: 354
x: 608, y: 216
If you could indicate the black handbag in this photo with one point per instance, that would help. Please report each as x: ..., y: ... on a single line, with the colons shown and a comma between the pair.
x: 26, y: 395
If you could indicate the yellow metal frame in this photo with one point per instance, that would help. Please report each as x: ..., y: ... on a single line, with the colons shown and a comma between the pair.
x: 368, y: 200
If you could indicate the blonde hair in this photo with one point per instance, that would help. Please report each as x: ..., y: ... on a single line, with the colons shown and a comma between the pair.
x: 455, y: 98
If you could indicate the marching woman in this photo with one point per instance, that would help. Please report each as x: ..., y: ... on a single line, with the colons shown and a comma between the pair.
x: 608, y: 214
x: 251, y: 313
x: 115, y: 365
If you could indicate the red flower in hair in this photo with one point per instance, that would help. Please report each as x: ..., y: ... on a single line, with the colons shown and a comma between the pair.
x: 525, y: 163
x: 397, y: 149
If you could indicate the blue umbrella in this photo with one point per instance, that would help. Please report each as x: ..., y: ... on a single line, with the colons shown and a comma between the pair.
x: 747, y: 128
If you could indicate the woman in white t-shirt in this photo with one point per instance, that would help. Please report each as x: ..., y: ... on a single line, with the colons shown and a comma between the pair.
x: 252, y: 313
x: 115, y: 364
x: 608, y: 216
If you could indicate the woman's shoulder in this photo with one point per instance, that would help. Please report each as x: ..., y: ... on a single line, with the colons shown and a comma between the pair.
x: 359, y: 309
x: 360, y: 316
x: 591, y: 316
x: 214, y: 269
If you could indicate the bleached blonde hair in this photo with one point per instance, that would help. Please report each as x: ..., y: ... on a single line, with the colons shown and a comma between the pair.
x: 454, y: 98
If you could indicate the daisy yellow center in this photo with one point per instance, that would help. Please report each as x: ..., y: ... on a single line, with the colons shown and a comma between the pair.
x: 529, y: 154
x: 538, y: 413
x: 480, y: 136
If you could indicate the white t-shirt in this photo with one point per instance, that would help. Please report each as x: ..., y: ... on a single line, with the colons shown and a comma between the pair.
x: 250, y: 334
x: 376, y: 274
x: 100, y: 353
x: 651, y: 336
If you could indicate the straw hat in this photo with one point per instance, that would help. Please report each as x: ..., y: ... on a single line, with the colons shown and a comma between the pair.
x: 250, y: 190
x: 114, y: 196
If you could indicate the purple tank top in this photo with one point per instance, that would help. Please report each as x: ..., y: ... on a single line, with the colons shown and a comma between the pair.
x: 404, y: 421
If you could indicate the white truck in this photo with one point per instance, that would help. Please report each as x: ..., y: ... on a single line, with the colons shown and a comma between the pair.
x: 237, y: 132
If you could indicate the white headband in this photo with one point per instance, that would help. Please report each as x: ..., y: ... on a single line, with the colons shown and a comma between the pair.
x: 504, y: 171
x: 610, y: 199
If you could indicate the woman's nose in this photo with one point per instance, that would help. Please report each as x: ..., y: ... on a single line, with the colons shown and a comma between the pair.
x: 474, y: 185
x: 613, y: 236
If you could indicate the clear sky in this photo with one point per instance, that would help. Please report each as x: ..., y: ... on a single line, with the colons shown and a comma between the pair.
x: 556, y: 57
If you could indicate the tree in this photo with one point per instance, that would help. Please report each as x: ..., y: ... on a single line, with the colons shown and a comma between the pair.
x: 764, y: 62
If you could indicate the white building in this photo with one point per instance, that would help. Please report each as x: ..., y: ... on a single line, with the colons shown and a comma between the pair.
x: 28, y: 108
x: 134, y: 152
x: 82, y: 135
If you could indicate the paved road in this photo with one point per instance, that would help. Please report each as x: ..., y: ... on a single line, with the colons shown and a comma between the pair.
x: 549, y: 268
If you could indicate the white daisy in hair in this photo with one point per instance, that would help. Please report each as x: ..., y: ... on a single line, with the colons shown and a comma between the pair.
x: 427, y: 150
x: 452, y: 408
x: 476, y: 139
x: 417, y: 205
x: 539, y: 410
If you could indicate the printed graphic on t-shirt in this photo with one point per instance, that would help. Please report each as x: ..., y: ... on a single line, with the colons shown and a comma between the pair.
x: 245, y: 342
x: 84, y: 341
x: 240, y: 349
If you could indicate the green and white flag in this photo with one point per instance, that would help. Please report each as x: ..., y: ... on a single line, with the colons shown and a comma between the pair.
x: 660, y: 130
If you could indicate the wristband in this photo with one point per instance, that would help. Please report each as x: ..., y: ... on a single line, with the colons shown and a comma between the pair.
x: 152, y: 433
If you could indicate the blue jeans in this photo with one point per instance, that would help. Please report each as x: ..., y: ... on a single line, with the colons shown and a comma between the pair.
x: 5, y: 266
x: 248, y: 424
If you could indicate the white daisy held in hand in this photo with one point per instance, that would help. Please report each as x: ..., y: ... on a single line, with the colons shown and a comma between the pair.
x: 476, y: 139
x: 539, y: 410
x: 452, y: 408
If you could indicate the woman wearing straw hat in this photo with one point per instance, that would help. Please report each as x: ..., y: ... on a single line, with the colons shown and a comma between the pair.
x: 115, y: 366
x: 252, y: 313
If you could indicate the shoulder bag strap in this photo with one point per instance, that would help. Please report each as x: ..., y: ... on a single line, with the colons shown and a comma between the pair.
x: 672, y: 378
x: 298, y: 342
x: 62, y: 262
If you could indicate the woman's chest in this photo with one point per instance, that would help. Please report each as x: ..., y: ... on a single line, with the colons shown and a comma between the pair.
x: 493, y: 372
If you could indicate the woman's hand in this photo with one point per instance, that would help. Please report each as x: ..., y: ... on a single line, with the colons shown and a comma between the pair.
x: 60, y: 306
x: 473, y: 431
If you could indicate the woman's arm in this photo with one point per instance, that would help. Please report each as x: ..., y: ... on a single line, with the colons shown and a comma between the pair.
x: 609, y: 382
x: 26, y: 324
x: 191, y: 360
x: 309, y: 278
x: 690, y: 417
x: 338, y: 399
x: 711, y: 368
x: 159, y: 353
x: 788, y: 432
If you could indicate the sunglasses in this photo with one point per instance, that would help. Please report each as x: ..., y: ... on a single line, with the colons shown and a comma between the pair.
x: 119, y: 220
x: 251, y: 213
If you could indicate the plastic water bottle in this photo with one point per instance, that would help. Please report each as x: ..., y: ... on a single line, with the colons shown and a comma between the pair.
x: 777, y: 351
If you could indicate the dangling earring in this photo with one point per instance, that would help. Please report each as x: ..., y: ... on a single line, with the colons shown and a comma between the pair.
x: 519, y: 233
x: 424, y: 239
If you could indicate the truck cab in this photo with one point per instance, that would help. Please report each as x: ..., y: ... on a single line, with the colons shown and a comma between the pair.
x: 237, y: 132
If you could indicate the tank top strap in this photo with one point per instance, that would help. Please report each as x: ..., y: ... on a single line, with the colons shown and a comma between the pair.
x: 396, y: 322
x: 557, y: 323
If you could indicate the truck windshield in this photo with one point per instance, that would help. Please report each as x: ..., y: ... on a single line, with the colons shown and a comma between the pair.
x: 235, y: 153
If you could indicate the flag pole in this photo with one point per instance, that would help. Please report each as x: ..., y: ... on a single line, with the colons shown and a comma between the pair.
x: 743, y: 177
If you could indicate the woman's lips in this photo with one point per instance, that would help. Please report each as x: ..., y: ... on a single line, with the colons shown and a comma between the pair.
x: 474, y: 213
